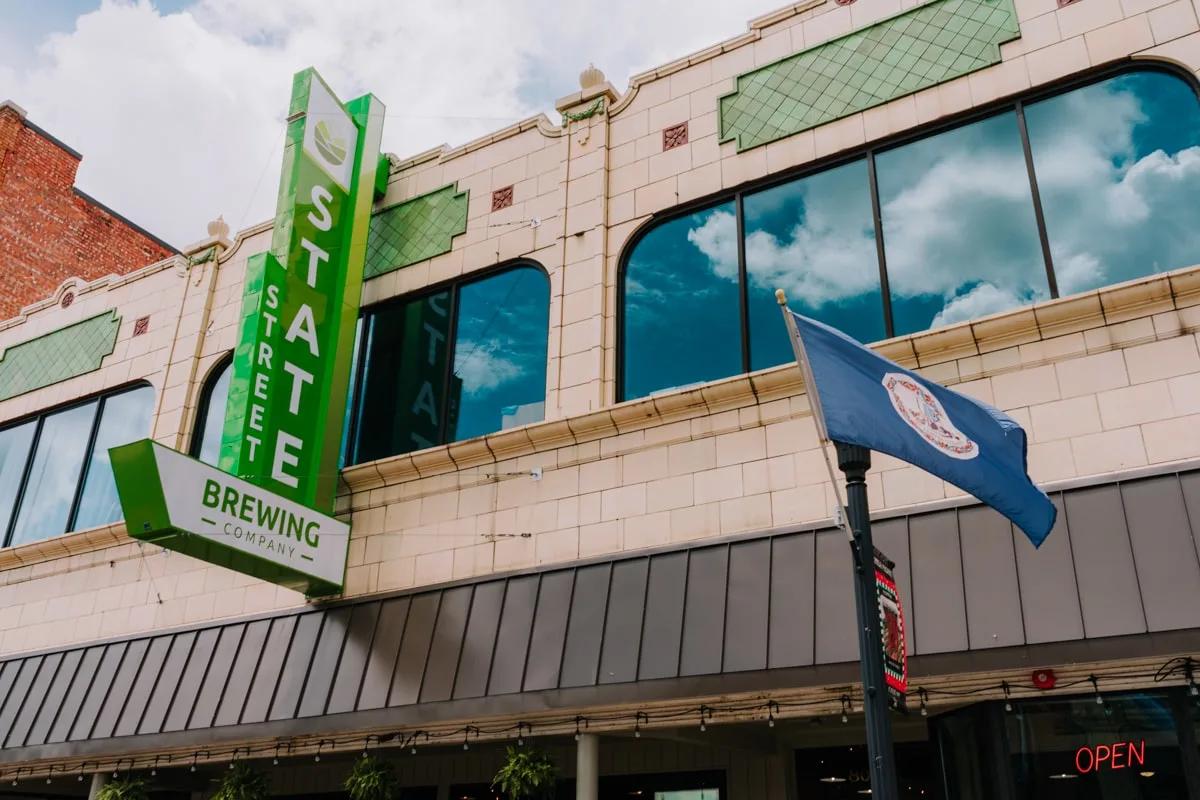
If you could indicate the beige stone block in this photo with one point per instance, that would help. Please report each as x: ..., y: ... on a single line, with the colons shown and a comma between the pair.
x: 1110, y: 451
x: 623, y: 502
x: 431, y: 568
x: 877, y: 124
x: 955, y: 96
x: 700, y: 182
x: 1134, y: 7
x: 1172, y: 439
x: 802, y: 504
x: 672, y: 162
x: 583, y: 336
x: 629, y: 177
x: 800, y: 148
x: 198, y: 609
x: 828, y: 25
x: 621, y: 155
x: 669, y: 493
x: 655, y: 197
x: 864, y: 14
x: 998, y: 81
x: 741, y: 446
x: 599, y: 539
x: 1133, y: 405
x: 718, y: 484
x: 670, y: 113
x: 1087, y: 16
x: 1165, y: 359
x: 1119, y: 39
x: 598, y: 476
x: 771, y: 48
x: 1057, y: 60
x: 1091, y: 374
x: 743, y: 167
x: 909, y: 486
x: 696, y: 522
x: 556, y: 546
x: 649, y: 530
x: 1185, y: 393
x: 644, y: 466
x: 1051, y: 461
x: 843, y: 134
x: 1064, y: 419
x: 705, y: 150
x: 688, y: 457
x: 628, y: 127
x: 516, y: 553
x: 701, y: 125
x: 1025, y: 388
x: 746, y: 514
x: 477, y: 559
x: 691, y: 79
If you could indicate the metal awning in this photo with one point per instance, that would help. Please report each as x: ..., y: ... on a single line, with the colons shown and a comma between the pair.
x: 750, y: 613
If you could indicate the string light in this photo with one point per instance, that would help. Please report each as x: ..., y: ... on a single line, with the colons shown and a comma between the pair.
x: 1181, y: 669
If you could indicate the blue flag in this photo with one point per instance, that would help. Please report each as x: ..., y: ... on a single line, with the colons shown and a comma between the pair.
x: 870, y: 401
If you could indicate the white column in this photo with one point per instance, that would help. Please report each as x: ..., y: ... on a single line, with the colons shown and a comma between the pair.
x: 587, y: 767
x: 98, y: 781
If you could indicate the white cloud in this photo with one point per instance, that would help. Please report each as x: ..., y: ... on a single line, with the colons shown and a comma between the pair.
x: 180, y: 116
x: 983, y: 299
x: 483, y: 366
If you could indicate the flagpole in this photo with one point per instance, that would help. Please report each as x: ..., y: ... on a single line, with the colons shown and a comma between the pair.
x: 854, y: 461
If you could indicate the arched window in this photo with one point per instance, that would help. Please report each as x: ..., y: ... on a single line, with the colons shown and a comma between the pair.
x: 459, y: 361
x: 206, y: 439
x: 55, y: 474
x: 1050, y: 196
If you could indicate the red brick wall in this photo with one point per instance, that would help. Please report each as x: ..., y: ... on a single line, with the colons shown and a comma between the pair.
x: 48, y: 232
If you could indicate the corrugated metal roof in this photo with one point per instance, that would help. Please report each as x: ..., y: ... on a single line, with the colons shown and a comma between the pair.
x: 634, y: 628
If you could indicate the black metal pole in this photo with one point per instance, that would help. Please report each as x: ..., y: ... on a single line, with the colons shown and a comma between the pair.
x: 854, y: 461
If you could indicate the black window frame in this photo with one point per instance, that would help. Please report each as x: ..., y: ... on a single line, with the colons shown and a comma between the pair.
x: 454, y: 287
x: 868, y: 152
x: 39, y: 418
x: 200, y: 423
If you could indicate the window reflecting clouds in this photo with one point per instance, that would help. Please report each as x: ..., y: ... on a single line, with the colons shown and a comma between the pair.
x: 814, y: 238
x: 45, y: 505
x: 682, y: 313
x: 959, y: 229
x: 211, y: 424
x: 43, y: 462
x: 1118, y: 169
x: 125, y: 418
x: 463, y: 362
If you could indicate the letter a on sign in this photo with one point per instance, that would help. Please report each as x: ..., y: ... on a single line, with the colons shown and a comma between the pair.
x: 300, y: 302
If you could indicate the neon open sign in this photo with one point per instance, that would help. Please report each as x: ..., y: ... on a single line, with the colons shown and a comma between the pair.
x: 1118, y: 755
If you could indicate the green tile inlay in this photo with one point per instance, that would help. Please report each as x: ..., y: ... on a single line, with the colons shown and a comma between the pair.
x: 56, y: 356
x: 415, y: 230
x: 909, y: 52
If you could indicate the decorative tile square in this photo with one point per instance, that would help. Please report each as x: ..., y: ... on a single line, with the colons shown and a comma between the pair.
x: 675, y: 136
x: 502, y: 198
x: 934, y: 43
x: 141, y: 325
x: 415, y: 230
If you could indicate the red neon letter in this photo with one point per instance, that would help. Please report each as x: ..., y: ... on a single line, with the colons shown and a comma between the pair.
x: 1102, y: 752
x: 1091, y: 759
x: 1140, y: 755
x: 1117, y: 751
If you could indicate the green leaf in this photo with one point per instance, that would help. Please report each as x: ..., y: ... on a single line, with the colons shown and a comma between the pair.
x: 243, y: 783
x: 527, y: 773
x: 372, y: 779
x: 123, y: 789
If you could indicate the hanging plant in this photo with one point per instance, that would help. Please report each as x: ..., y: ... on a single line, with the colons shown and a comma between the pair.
x: 372, y: 779
x: 123, y: 789
x: 527, y: 773
x: 241, y: 782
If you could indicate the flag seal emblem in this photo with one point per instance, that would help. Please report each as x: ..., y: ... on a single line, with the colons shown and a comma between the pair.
x: 924, y: 413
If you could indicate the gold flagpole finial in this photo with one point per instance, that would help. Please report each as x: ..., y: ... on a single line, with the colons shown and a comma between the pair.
x: 781, y: 297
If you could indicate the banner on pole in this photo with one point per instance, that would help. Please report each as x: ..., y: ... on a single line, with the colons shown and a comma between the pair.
x: 891, y: 626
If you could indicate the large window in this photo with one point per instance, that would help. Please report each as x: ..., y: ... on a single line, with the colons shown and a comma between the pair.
x: 206, y: 440
x: 1042, y: 198
x: 55, y: 474
x: 462, y: 361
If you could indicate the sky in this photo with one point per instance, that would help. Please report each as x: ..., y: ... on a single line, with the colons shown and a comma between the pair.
x: 178, y: 105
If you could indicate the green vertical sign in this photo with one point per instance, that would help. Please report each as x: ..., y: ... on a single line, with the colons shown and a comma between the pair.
x: 291, y: 368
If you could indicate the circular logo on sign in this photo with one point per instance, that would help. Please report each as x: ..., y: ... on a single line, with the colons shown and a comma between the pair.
x: 917, y: 406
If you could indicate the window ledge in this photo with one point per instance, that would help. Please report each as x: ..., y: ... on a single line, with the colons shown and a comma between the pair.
x: 69, y: 544
x: 1099, y: 308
